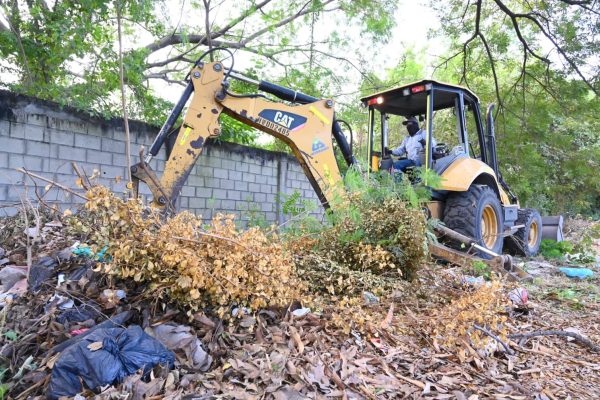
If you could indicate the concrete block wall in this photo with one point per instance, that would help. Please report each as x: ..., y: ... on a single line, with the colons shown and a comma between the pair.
x: 44, y: 138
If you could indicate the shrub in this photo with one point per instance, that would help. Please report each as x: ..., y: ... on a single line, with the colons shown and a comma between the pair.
x: 218, y: 266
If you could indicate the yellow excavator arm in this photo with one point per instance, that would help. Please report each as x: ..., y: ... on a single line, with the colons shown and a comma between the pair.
x: 306, y: 128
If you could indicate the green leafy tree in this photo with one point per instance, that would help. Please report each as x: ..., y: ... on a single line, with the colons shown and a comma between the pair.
x: 65, y: 50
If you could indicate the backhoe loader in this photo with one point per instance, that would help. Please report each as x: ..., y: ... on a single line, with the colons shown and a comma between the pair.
x: 476, y: 206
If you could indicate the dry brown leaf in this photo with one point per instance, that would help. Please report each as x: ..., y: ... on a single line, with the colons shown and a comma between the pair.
x: 297, y: 340
x: 385, y: 324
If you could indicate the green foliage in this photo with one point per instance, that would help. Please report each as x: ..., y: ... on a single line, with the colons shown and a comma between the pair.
x: 546, y: 125
x: 256, y: 217
x: 294, y: 205
x: 375, y: 224
x: 10, y: 335
x: 566, y: 294
x: 481, y: 269
x: 65, y: 51
x: 552, y: 249
x: 289, y: 203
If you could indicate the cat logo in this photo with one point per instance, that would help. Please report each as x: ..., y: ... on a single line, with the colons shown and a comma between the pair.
x: 281, y: 121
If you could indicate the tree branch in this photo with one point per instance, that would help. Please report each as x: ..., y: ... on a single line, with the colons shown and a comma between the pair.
x: 551, y: 38
x: 177, y: 38
x: 578, y: 338
x: 207, y: 27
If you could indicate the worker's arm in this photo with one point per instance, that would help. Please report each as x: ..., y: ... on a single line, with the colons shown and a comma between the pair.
x: 400, y: 150
x: 423, y: 139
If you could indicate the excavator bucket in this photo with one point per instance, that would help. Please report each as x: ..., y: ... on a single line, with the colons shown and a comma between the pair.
x: 552, y: 228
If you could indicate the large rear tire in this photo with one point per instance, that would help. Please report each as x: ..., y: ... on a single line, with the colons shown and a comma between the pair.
x: 477, y: 213
x: 526, y: 241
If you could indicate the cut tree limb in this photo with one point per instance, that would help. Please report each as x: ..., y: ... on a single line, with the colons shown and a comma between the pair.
x: 496, y: 338
x: 578, y: 338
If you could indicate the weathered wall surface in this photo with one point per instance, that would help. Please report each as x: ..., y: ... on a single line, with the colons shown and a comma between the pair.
x: 45, y: 138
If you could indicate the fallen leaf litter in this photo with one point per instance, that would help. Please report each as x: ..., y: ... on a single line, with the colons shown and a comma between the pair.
x: 248, y: 319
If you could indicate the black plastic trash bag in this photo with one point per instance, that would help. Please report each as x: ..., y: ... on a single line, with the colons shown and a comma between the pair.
x: 78, y: 314
x: 123, y: 353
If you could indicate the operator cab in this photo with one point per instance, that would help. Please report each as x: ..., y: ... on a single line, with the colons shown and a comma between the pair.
x: 448, y: 113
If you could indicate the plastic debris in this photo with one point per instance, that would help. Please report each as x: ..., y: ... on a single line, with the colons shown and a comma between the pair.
x: 578, y: 273
x: 85, y: 251
x: 301, y: 312
x: 10, y: 275
x: 475, y: 281
x: 187, y: 347
x: 64, y: 254
x: 237, y: 311
x: 106, y: 357
x: 110, y: 298
x: 370, y: 298
x: 538, y: 267
x: 519, y: 296
x: 78, y: 314
x: 60, y: 302
x: 41, y: 271
x: 14, y: 283
x: 32, y: 232
x: 79, y: 273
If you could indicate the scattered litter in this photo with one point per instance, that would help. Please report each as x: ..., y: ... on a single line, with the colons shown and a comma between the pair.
x: 370, y: 298
x: 237, y: 311
x: 85, y: 251
x: 475, y: 281
x: 538, y: 267
x: 573, y: 330
x: 60, y: 302
x: 78, y: 273
x: 10, y: 275
x: 122, y: 353
x: 187, y: 347
x: 32, y: 232
x: 110, y: 298
x: 338, y: 349
x: 41, y: 271
x: 519, y: 296
x: 78, y: 314
x: 301, y: 312
x: 14, y: 283
x: 579, y: 273
x: 65, y: 254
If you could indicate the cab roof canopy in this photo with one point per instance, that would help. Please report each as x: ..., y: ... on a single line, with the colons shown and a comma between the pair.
x: 410, y: 100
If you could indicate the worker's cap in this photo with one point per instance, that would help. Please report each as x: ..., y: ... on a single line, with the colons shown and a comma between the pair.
x: 410, y: 120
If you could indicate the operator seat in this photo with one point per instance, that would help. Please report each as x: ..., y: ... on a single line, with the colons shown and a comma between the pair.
x: 441, y: 164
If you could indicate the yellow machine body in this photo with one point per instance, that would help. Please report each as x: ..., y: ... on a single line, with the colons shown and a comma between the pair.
x: 461, y: 174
